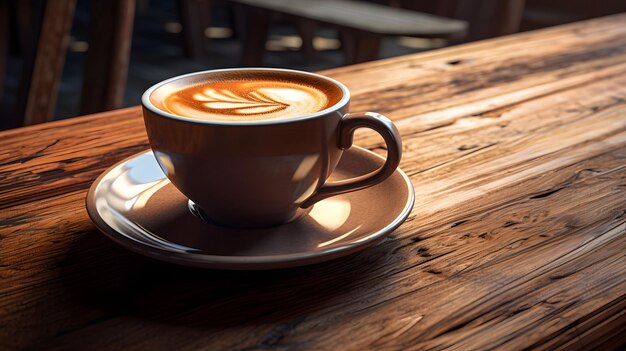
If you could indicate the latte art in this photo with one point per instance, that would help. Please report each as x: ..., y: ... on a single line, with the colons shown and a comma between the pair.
x: 248, y: 99
x: 261, y: 101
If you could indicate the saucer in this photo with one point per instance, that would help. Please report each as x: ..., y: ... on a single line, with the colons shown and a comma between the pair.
x: 135, y: 205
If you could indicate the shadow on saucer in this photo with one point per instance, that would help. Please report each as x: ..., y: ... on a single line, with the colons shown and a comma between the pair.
x: 102, y: 275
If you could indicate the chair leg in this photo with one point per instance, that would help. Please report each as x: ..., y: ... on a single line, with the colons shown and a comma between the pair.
x: 49, y: 60
x: 195, y: 18
x: 509, y: 17
x: 143, y: 6
x: 231, y: 15
x: 348, y: 46
x: 106, y: 65
x: 490, y: 18
x: 306, y: 30
x: 254, y: 24
x: 367, y: 47
x: 360, y: 47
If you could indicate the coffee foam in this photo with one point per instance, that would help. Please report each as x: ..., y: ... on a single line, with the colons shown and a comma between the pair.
x: 249, y: 96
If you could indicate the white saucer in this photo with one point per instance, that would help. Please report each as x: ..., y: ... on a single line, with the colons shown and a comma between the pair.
x: 135, y: 205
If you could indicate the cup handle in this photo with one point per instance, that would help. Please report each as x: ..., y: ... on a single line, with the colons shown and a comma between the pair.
x: 349, y: 123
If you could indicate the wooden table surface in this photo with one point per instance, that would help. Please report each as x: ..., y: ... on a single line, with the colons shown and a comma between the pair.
x: 517, y: 150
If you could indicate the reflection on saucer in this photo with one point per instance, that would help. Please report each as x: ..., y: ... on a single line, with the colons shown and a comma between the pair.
x: 331, y: 213
x: 133, y: 186
x: 341, y: 237
x: 138, y: 207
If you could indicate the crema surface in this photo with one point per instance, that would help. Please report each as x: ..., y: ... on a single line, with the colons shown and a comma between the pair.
x: 251, y: 98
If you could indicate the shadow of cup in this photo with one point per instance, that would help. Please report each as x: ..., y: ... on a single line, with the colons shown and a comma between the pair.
x: 101, y: 275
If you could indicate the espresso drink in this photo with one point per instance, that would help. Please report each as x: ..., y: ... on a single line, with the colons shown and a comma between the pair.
x: 249, y: 96
x: 255, y: 147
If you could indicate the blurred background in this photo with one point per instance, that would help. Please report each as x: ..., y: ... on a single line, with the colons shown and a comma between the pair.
x: 64, y: 58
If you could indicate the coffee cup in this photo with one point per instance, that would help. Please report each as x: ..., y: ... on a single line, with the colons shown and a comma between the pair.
x: 254, y: 147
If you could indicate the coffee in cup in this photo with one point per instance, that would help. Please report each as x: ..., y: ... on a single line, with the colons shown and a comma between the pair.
x: 254, y: 147
x: 250, y: 96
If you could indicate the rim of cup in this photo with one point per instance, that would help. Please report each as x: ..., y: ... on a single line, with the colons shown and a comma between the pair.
x: 145, y: 99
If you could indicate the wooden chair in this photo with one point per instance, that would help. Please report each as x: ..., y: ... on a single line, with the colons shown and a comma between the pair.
x: 43, y: 47
x: 362, y: 25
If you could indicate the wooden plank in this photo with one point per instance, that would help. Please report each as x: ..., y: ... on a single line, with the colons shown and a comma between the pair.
x: 49, y: 61
x: 367, y: 17
x: 516, y: 239
x: 106, y: 65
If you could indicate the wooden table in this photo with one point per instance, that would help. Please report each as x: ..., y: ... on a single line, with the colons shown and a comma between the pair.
x: 517, y: 151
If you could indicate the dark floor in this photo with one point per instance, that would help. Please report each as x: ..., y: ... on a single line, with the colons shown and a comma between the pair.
x: 157, y: 52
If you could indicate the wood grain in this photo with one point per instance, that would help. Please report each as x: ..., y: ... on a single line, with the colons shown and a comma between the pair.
x: 516, y: 148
